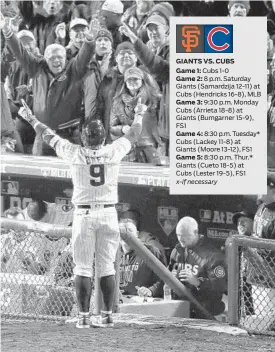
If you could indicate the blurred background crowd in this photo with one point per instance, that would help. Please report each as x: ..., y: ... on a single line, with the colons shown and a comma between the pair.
x: 65, y: 82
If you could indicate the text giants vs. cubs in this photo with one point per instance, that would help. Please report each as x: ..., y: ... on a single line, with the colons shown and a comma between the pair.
x: 204, y: 39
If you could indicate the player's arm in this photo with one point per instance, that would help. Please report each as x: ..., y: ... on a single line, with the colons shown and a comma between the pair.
x: 48, y: 135
x: 63, y: 148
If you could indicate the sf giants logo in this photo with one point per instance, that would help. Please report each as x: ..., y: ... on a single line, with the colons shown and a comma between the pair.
x: 204, y: 38
x: 191, y: 37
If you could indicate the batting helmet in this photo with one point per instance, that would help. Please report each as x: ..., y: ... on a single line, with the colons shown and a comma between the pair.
x: 93, y: 133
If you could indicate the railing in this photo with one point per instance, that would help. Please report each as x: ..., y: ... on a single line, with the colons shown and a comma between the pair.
x: 251, y: 284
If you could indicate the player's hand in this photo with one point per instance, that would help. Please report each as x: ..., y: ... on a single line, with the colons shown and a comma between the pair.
x: 143, y: 291
x: 22, y: 91
x: 125, y: 29
x: 125, y: 129
x: 93, y: 30
x: 60, y: 30
x: 187, y: 276
x: 26, y: 113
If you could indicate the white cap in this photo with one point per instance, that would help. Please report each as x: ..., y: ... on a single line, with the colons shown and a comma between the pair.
x: 115, y: 6
x: 25, y: 33
x: 78, y: 22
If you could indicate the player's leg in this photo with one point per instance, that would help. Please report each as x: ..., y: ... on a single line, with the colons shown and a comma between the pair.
x: 108, y: 286
x: 83, y: 288
x: 107, y: 243
x: 83, y: 244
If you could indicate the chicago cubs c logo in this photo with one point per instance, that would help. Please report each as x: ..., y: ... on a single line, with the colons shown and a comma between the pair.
x: 219, y: 271
x: 191, y: 35
x: 204, y: 38
x: 211, y: 41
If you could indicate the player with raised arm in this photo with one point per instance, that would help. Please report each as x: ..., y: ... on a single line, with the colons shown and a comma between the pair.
x: 94, y: 169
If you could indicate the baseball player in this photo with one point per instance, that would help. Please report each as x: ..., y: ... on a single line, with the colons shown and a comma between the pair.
x: 94, y: 169
x: 50, y: 213
x: 199, y: 267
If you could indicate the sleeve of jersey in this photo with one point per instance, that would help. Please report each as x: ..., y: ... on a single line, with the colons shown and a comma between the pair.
x: 63, y: 148
x: 121, y: 147
x: 216, y: 280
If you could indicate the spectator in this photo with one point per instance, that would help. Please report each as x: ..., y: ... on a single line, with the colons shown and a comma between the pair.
x: 135, y: 17
x: 111, y: 13
x: 101, y: 62
x: 158, y: 66
x: 84, y: 10
x: 9, y: 8
x: 244, y: 222
x: 163, y: 9
x: 257, y: 8
x: 200, y: 267
x: 41, y: 17
x: 18, y: 86
x: 78, y: 27
x: 157, y: 32
x: 10, y: 138
x: 135, y: 276
x: 112, y: 82
x: 261, y: 263
x: 135, y: 88
x: 59, y: 102
x: 14, y: 213
x: 270, y: 53
x: 271, y: 132
x: 238, y: 8
x: 270, y: 5
x: 55, y: 214
x: 133, y: 217
x: 200, y: 8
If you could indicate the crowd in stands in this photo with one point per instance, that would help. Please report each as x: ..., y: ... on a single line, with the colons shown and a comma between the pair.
x: 66, y: 79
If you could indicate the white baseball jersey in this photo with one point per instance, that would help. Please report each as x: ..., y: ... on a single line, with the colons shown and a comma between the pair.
x: 94, y: 171
x: 56, y: 214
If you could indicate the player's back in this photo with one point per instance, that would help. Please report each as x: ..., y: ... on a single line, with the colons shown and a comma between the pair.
x: 95, y: 173
x: 95, y: 180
